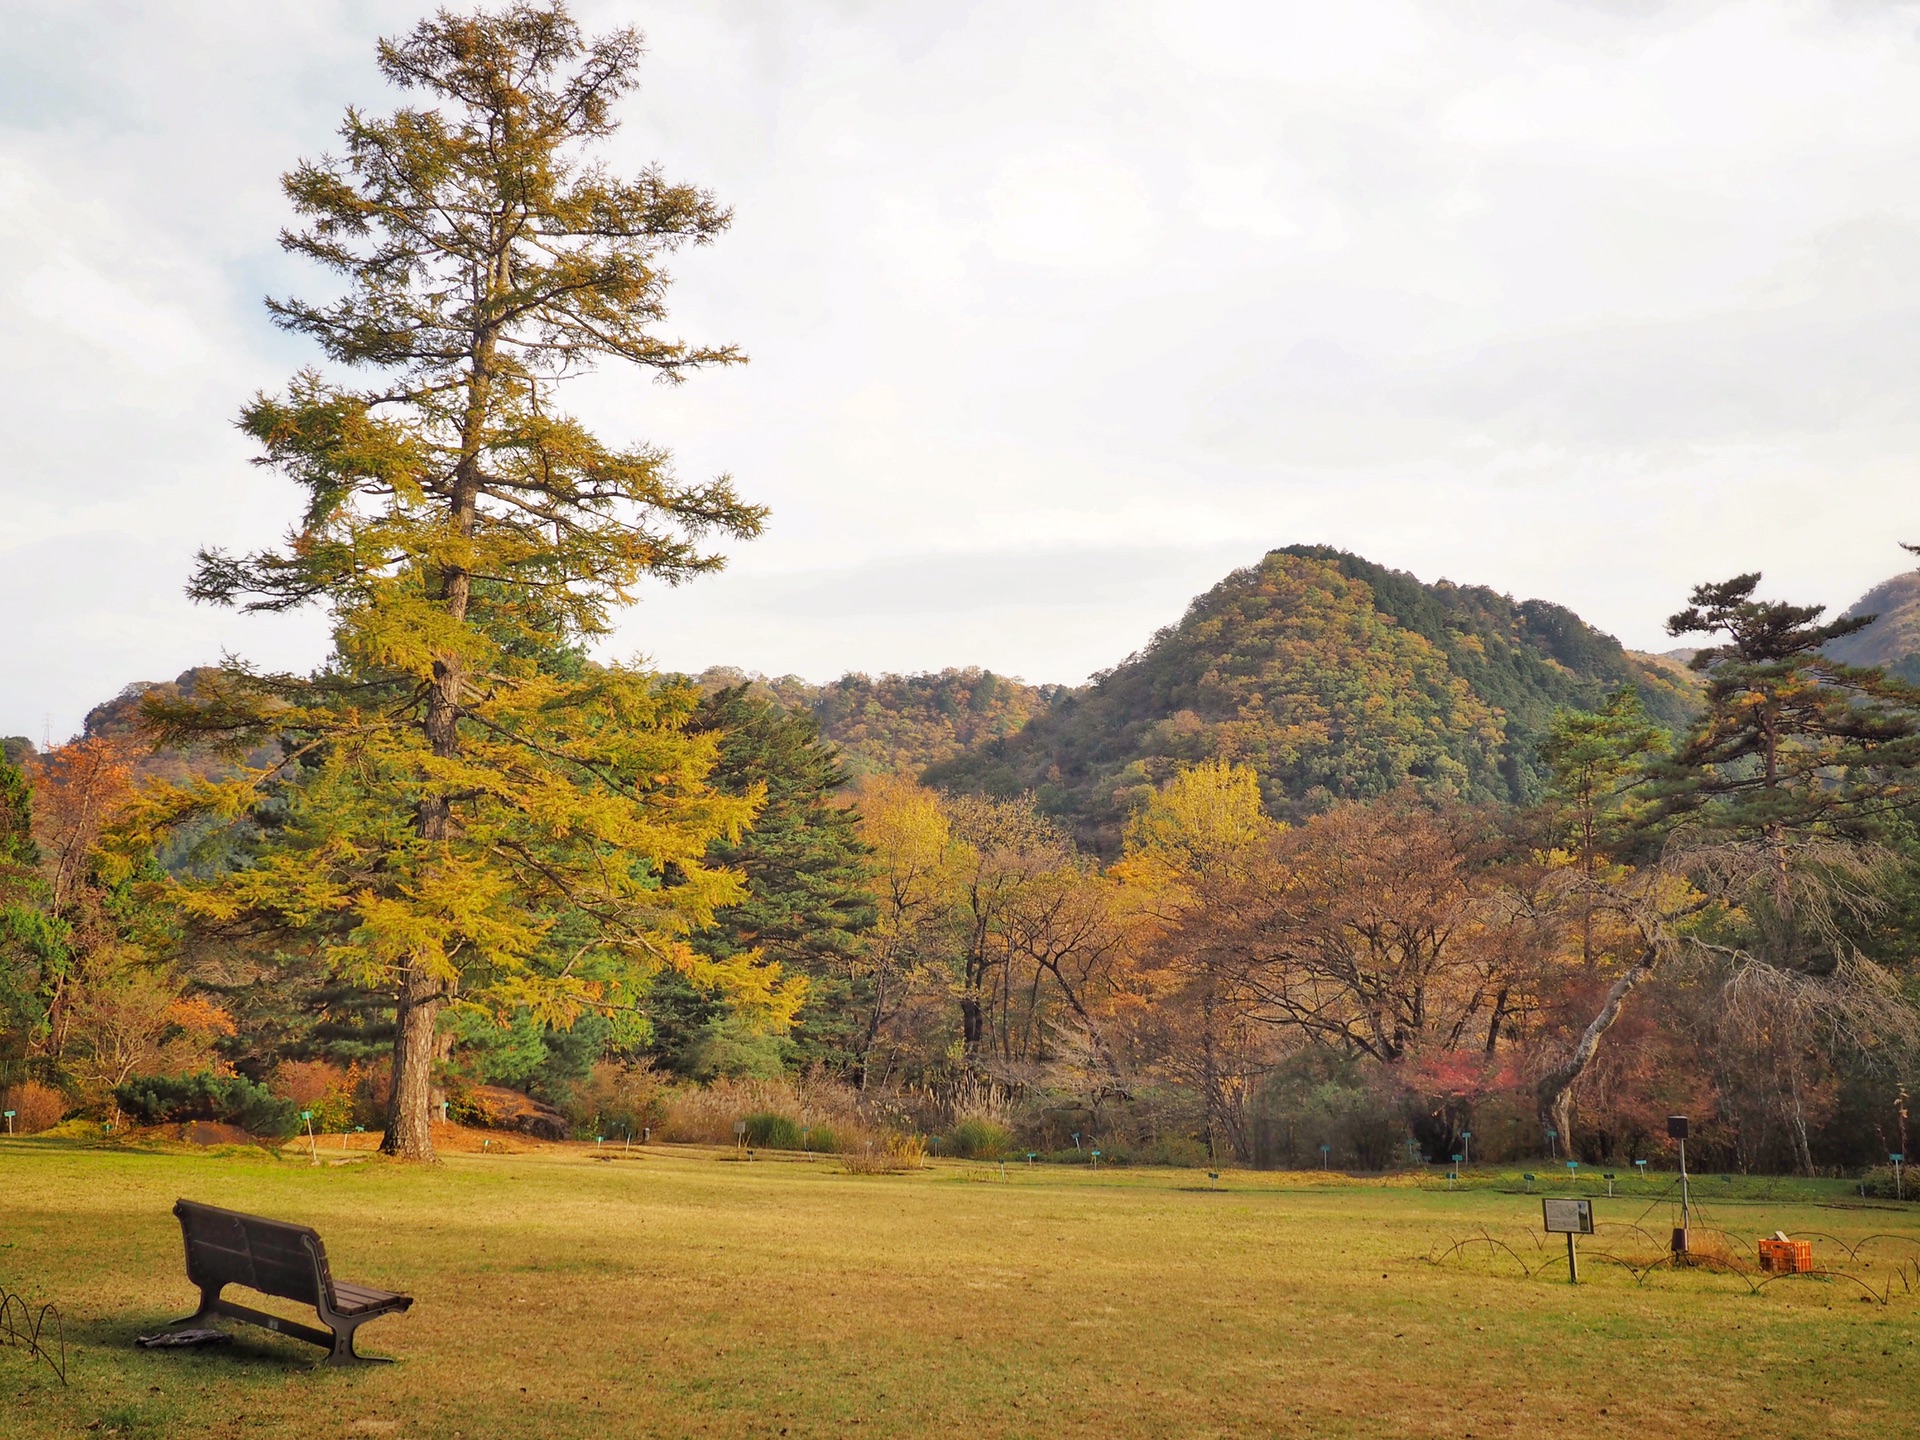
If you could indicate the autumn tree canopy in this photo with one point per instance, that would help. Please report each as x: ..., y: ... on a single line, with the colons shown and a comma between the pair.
x: 474, y: 814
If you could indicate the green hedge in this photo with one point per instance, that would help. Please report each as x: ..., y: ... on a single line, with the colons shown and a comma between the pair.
x: 224, y: 1099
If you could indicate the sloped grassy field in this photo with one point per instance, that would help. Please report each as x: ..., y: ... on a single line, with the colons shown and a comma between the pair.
x: 681, y: 1292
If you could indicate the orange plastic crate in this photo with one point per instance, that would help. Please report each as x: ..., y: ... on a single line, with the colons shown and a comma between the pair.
x: 1786, y: 1257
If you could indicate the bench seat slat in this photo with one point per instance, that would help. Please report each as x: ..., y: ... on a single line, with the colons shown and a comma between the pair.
x: 357, y: 1299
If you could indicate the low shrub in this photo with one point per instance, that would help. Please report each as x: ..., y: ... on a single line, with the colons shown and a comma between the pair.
x: 769, y: 1131
x: 706, y: 1114
x: 1181, y: 1151
x: 825, y: 1140
x: 327, y: 1090
x: 890, y: 1155
x: 624, y: 1100
x: 226, y: 1099
x: 35, y: 1107
x: 976, y: 1139
x: 1879, y: 1184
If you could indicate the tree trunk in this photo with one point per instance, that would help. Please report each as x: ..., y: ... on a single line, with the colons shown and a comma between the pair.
x: 1554, y: 1094
x: 410, y: 1106
x: 410, y: 1100
x: 973, y: 1026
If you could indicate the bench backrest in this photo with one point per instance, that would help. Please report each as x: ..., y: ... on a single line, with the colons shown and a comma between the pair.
x: 225, y: 1247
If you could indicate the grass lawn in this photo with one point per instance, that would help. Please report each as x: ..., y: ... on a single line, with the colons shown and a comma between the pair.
x: 680, y: 1293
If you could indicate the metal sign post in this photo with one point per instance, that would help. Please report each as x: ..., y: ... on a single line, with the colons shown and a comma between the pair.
x: 313, y: 1150
x: 1466, y: 1146
x: 1569, y: 1218
x: 1677, y: 1130
x: 1899, y: 1189
x: 9, y: 1122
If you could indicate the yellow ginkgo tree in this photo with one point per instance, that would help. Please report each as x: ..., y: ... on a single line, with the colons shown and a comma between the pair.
x: 463, y: 808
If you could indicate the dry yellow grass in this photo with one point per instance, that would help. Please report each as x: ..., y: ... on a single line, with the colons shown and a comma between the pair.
x: 684, y: 1293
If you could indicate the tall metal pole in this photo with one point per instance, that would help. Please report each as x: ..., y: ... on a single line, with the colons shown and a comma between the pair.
x: 1682, y: 1238
x: 1686, y: 1198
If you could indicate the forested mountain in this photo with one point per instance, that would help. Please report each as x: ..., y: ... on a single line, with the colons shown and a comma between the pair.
x: 889, y: 723
x: 1333, y: 677
x: 1893, y: 640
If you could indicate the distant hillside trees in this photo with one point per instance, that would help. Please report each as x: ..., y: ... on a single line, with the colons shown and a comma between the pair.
x: 1335, y: 679
x: 889, y: 724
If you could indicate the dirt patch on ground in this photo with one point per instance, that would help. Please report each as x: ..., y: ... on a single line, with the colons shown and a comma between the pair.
x: 199, y: 1132
x: 447, y: 1137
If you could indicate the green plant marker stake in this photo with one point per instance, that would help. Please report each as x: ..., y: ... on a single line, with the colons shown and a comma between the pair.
x: 1325, y: 1150
x: 9, y: 1122
x: 313, y: 1150
x: 1528, y: 1177
x: 1899, y: 1186
x: 1213, y: 1179
x: 1096, y: 1157
x: 1641, y: 1166
x: 1466, y: 1146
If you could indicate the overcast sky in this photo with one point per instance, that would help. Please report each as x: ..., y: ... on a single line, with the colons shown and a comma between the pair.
x: 1057, y: 312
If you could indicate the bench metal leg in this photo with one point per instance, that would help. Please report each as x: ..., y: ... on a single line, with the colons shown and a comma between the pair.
x: 209, y: 1308
x: 343, y: 1352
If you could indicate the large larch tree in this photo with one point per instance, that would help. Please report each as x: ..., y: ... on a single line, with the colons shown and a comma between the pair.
x: 465, y: 811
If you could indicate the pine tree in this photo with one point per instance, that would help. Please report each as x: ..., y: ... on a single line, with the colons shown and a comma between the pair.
x: 809, y: 904
x: 465, y: 818
x: 1597, y: 760
x: 1791, y: 741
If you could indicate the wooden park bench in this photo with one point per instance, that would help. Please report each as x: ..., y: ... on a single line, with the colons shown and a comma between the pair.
x: 226, y: 1248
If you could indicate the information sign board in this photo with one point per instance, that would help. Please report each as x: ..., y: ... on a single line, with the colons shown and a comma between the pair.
x: 1568, y: 1217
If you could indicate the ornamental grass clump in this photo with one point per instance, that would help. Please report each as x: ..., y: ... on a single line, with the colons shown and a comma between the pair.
x: 770, y: 1131
x: 977, y: 1139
